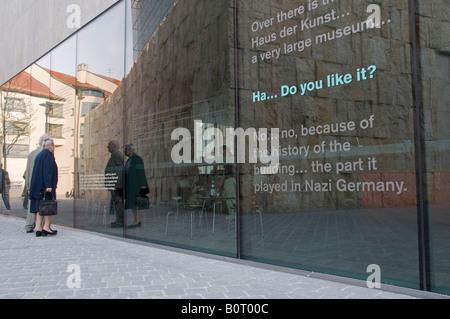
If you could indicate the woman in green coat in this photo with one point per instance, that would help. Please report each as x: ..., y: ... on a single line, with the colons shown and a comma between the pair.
x: 136, y: 182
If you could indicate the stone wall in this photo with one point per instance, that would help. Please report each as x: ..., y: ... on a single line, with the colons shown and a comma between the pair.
x: 433, y: 25
x: 388, y: 97
x: 186, y: 73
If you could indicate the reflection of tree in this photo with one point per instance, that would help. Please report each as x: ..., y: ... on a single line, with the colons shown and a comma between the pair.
x: 16, y: 114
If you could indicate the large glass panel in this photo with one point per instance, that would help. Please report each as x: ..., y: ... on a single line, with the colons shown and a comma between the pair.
x: 331, y: 82
x: 19, y: 102
x: 98, y: 123
x: 39, y: 101
x: 434, y: 101
x: 179, y: 100
x: 58, y: 71
x: 294, y: 135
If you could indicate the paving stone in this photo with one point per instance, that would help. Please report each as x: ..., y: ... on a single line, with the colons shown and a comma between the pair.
x: 118, y: 268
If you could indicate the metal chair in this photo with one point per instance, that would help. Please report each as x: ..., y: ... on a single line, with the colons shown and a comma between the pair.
x: 260, y: 219
x: 176, y: 213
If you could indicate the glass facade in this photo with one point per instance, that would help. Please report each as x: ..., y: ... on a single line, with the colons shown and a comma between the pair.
x: 308, y: 134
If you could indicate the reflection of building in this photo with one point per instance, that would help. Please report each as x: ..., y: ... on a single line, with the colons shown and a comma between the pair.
x: 54, y: 103
x: 44, y: 32
x: 24, y: 117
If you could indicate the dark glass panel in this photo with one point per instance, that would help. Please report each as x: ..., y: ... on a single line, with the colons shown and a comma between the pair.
x: 339, y: 92
x: 98, y: 122
x: 434, y: 99
x: 19, y: 99
x: 58, y: 69
x: 181, y: 85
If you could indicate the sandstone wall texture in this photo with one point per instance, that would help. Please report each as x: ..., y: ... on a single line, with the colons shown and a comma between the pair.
x: 187, y: 72
x: 184, y: 73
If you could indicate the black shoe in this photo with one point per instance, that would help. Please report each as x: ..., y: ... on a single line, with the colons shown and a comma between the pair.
x: 54, y: 231
x: 45, y: 233
x: 135, y: 225
x: 38, y: 233
x: 116, y: 225
x: 30, y: 231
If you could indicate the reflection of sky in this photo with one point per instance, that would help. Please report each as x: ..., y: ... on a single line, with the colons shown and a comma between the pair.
x: 100, y: 45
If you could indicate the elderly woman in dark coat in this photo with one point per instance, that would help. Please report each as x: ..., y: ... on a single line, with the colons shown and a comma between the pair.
x: 136, y: 182
x: 44, y: 180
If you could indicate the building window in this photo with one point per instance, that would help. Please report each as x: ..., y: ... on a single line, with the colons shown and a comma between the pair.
x: 16, y: 128
x: 55, y: 110
x: 87, y: 107
x: 15, y: 104
x: 81, y: 151
x: 17, y: 150
x: 55, y: 130
x: 82, y: 128
x: 93, y: 93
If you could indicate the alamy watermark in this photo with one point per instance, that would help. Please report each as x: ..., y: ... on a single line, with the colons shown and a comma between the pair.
x: 74, y: 19
x: 74, y: 279
x: 211, y: 145
x: 374, y: 280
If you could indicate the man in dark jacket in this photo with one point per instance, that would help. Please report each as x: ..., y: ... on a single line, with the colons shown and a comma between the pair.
x: 5, y: 186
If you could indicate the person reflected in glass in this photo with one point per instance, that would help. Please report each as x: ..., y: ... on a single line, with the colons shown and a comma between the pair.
x: 229, y: 190
x: 136, y: 183
x: 44, y: 180
x: 5, y: 184
x: 228, y: 186
x: 113, y: 174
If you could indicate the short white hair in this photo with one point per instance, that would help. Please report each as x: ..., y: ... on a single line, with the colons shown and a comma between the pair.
x: 48, y: 142
x: 43, y: 138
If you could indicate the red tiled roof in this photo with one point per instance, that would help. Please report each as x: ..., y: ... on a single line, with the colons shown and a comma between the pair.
x: 26, y: 84
x: 68, y: 79
x: 115, y: 81
x: 73, y: 81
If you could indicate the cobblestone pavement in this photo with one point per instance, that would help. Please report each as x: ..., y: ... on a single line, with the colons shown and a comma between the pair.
x: 77, y: 264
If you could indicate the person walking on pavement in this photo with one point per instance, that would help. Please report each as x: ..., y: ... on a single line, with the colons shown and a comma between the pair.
x: 44, y: 180
x: 30, y: 223
x: 5, y: 184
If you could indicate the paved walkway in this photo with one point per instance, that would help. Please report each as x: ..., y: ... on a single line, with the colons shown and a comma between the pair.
x: 77, y: 265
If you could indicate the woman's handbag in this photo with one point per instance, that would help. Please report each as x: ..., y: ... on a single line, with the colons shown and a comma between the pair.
x: 142, y: 202
x: 48, y: 207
